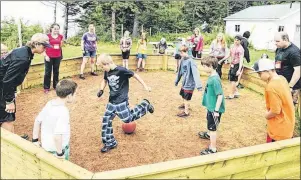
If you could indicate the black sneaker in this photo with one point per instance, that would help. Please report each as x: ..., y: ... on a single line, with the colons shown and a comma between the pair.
x: 107, y: 148
x: 25, y: 136
x: 151, y: 108
x: 94, y: 74
x: 240, y: 86
x: 82, y: 77
x: 207, y: 151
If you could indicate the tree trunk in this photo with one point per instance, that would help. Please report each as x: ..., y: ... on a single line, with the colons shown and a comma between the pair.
x: 135, y: 27
x: 54, y: 12
x: 66, y: 20
x: 113, y: 25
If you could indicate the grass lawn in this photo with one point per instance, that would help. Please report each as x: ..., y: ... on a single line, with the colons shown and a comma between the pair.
x: 75, y: 51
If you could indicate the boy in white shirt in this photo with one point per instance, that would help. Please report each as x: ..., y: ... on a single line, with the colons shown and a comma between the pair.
x: 54, y: 121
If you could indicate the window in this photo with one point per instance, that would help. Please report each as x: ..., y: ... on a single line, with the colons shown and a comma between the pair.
x: 280, y: 28
x: 237, y: 28
x: 297, y: 28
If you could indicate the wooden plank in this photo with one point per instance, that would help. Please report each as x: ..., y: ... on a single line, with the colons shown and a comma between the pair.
x: 284, y: 170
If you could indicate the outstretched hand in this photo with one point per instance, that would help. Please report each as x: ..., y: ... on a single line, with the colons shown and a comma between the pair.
x: 100, y: 93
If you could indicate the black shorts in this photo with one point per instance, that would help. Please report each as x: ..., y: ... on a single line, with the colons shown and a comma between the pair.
x: 186, y: 94
x: 4, y: 116
x: 213, y: 122
x: 232, y: 72
x: 125, y: 55
x: 177, y: 56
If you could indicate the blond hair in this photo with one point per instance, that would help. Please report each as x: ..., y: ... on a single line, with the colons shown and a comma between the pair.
x: 223, y: 41
x: 104, y: 59
x: 4, y: 48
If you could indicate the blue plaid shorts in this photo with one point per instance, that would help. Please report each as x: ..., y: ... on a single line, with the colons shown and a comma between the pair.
x: 123, y: 111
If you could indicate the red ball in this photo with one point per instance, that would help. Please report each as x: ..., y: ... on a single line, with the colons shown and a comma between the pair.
x: 129, y: 128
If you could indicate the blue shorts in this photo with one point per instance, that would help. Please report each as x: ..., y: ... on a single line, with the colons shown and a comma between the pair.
x: 142, y: 56
x: 89, y: 54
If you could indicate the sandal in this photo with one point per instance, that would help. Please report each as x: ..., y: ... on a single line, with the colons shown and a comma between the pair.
x: 204, y: 135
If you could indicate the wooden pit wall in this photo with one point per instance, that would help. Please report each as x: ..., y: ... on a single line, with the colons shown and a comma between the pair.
x: 71, y: 67
x: 279, y: 160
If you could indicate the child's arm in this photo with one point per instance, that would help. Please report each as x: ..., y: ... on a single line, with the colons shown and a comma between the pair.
x: 37, y: 127
x: 196, y: 75
x: 138, y: 78
x: 103, y: 84
x: 58, y: 140
x: 179, y: 75
x: 218, y: 104
x: 275, y: 105
x: 270, y: 115
x: 131, y: 43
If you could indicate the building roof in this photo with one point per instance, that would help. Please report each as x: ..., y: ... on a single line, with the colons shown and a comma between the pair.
x: 266, y: 12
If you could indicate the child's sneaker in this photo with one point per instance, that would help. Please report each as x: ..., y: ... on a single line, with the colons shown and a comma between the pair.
x: 81, y: 76
x: 182, y: 114
x: 107, y: 148
x: 204, y: 135
x: 94, y: 74
x: 207, y: 151
x: 181, y: 107
x: 151, y: 108
x: 46, y: 91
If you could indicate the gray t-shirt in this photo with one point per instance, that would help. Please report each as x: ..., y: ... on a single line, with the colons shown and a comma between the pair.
x: 89, y: 41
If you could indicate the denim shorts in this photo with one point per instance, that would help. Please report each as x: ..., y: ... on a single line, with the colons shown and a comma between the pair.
x: 142, y: 56
x: 89, y: 54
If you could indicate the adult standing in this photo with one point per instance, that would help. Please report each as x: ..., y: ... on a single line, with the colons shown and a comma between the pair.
x: 89, y: 48
x: 218, y: 50
x: 288, y: 63
x: 125, y: 47
x: 53, y: 57
x: 198, y: 43
x: 13, y: 69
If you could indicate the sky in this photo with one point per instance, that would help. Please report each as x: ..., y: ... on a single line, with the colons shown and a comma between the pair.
x: 34, y: 12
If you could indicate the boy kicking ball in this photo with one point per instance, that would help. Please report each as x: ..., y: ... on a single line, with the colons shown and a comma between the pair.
x: 118, y: 79
x: 213, y: 100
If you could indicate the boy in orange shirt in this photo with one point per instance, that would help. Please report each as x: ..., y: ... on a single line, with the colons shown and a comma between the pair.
x: 280, y: 113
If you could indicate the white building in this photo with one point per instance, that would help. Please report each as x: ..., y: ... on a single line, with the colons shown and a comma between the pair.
x: 264, y: 21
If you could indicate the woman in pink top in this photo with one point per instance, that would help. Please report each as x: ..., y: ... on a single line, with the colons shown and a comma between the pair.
x: 53, y: 57
x: 198, y: 43
x: 236, y: 54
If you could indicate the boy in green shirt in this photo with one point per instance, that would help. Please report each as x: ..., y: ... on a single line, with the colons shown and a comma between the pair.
x: 213, y: 100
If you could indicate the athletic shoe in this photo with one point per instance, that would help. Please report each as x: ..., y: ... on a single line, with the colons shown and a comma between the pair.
x: 182, y: 114
x: 46, y: 91
x: 25, y: 136
x: 151, y: 108
x: 207, y: 151
x: 94, y: 74
x: 82, y: 77
x: 107, y: 148
x: 240, y: 86
x: 181, y: 106
x: 204, y: 135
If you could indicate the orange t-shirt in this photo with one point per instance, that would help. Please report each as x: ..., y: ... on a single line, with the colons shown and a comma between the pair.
x: 279, y: 100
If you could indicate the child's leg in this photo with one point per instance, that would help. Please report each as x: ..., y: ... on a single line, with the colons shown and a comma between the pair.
x: 123, y: 62
x: 186, y: 104
x: 127, y: 63
x: 143, y: 63
x: 139, y: 63
x: 127, y: 115
x: 107, y: 129
x: 212, y: 140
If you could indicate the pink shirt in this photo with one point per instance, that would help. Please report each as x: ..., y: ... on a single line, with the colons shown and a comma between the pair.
x: 236, y: 52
